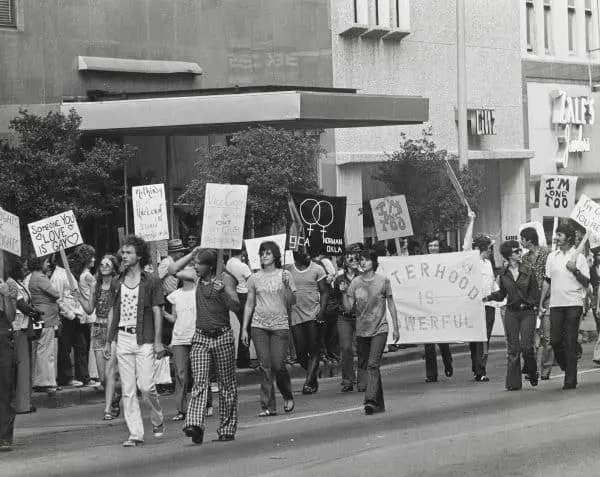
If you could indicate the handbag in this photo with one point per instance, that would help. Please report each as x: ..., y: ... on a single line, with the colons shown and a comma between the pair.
x: 34, y: 328
x: 162, y: 371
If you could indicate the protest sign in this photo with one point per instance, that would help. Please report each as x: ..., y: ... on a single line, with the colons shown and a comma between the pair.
x: 457, y: 187
x: 55, y: 234
x: 587, y: 214
x: 150, y: 218
x: 10, y: 235
x: 224, y: 214
x: 438, y: 297
x: 557, y: 195
x: 252, y: 246
x: 324, y: 221
x: 539, y: 228
x: 391, y: 217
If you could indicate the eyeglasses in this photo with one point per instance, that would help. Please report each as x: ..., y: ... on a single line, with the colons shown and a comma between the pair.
x: 106, y: 264
x: 351, y: 257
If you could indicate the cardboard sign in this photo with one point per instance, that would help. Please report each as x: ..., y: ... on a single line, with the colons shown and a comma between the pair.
x: 324, y: 223
x: 391, y: 217
x: 224, y: 215
x: 557, y: 195
x: 150, y: 218
x: 587, y: 214
x: 252, y: 246
x: 437, y: 296
x: 55, y: 233
x: 539, y: 228
x: 10, y: 234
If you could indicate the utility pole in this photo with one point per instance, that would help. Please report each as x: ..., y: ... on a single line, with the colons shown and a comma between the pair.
x: 461, y: 83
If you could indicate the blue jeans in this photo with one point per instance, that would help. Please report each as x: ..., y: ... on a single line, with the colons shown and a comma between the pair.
x: 564, y: 326
x: 346, y: 332
x: 370, y: 354
x: 271, y: 350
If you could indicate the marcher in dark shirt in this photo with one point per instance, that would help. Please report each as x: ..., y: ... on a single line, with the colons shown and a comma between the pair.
x: 519, y: 284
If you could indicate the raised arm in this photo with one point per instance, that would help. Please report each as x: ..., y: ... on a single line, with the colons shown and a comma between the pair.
x: 468, y: 240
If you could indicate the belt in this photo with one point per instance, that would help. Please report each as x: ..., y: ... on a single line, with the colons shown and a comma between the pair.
x: 128, y: 329
x: 215, y: 332
x: 521, y: 307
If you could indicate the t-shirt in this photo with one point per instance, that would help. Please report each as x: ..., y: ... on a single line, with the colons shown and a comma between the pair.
x: 270, y: 309
x: 240, y: 271
x: 565, y: 290
x: 184, y: 302
x: 129, y: 305
x: 169, y: 282
x: 307, y: 295
x: 370, y: 297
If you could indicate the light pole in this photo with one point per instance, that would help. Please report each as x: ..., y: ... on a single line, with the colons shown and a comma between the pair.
x: 461, y: 83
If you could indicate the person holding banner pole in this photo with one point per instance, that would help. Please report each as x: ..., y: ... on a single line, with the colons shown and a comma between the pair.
x: 370, y: 293
x: 567, y: 279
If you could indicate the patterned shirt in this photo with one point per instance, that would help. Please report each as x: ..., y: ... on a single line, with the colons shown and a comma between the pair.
x: 537, y: 262
x: 129, y: 304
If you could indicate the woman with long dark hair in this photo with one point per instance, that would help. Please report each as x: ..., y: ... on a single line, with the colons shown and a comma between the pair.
x: 270, y: 293
x: 99, y: 302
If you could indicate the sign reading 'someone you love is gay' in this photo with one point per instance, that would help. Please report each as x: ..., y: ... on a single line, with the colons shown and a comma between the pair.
x: 438, y: 297
x: 55, y: 233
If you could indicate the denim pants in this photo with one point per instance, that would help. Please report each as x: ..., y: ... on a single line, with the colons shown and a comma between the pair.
x: 328, y: 335
x: 431, y: 369
x: 74, y: 335
x: 271, y: 350
x: 564, y: 327
x: 307, y: 344
x: 519, y: 327
x: 346, y: 331
x: 479, y: 349
x: 370, y: 354
x: 543, y: 346
x: 8, y: 365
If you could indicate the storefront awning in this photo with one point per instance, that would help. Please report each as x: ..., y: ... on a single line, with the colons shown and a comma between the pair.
x: 223, y: 113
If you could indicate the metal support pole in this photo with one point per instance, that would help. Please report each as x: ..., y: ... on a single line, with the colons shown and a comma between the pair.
x: 125, y: 198
x: 461, y: 77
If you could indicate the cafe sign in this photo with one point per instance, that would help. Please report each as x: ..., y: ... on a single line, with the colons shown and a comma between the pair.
x: 570, y: 114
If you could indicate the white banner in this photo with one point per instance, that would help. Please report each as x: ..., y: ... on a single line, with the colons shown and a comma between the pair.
x: 150, y: 218
x: 438, y: 297
x: 55, y: 233
x: 10, y: 234
x: 224, y: 214
x: 391, y: 217
x: 587, y: 213
x: 557, y: 195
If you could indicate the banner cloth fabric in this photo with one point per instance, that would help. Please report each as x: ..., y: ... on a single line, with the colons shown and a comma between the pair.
x: 438, y: 297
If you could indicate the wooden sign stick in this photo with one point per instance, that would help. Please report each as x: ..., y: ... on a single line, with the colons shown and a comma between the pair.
x: 65, y: 262
x: 220, y: 264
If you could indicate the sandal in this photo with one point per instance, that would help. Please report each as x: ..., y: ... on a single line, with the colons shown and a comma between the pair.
x: 107, y: 416
x: 267, y: 413
x: 179, y: 417
x: 288, y: 405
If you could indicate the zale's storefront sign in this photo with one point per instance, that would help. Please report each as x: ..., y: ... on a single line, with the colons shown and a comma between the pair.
x: 571, y: 114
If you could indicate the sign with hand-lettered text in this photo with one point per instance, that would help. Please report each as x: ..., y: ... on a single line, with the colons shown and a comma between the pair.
x: 224, y: 215
x: 557, y: 195
x: 150, y: 218
x: 55, y: 233
x: 438, y: 297
x: 391, y: 217
x: 10, y: 234
x: 587, y: 214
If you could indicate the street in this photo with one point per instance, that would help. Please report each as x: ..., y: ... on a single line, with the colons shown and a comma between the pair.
x: 455, y: 427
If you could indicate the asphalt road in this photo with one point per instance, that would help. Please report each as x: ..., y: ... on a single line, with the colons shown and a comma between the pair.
x: 455, y: 427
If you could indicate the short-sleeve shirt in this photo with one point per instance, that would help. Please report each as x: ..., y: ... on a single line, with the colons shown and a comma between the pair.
x: 565, y: 290
x: 240, y: 271
x: 270, y: 309
x: 184, y: 302
x: 370, y: 296
x: 307, y: 295
x: 169, y: 282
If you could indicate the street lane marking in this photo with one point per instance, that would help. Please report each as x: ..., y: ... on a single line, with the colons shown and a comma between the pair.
x: 299, y: 418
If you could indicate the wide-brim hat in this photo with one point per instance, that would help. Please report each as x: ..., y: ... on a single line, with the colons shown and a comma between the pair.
x: 176, y: 245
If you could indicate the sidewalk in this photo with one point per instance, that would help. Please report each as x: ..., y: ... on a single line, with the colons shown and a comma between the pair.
x: 72, y: 396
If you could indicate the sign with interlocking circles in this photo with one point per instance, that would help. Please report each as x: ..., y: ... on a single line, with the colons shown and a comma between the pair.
x: 391, y: 217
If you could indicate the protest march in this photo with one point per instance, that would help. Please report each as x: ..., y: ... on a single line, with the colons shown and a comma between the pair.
x: 136, y: 321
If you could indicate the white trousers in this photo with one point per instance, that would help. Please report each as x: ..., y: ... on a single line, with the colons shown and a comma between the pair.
x: 136, y: 366
x: 44, y: 359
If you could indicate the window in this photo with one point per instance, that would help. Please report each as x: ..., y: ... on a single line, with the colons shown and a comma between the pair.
x: 589, y: 28
x: 361, y: 12
x: 8, y: 18
x: 547, y: 27
x: 571, y: 19
x: 383, y: 13
x: 530, y: 15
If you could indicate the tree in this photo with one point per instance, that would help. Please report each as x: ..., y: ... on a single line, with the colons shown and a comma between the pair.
x: 49, y: 171
x: 272, y: 162
x: 417, y: 170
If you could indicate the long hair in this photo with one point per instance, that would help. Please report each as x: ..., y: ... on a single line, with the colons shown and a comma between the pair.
x: 274, y: 248
x: 115, y: 271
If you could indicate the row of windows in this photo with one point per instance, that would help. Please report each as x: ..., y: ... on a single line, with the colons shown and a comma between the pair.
x: 548, y: 21
x: 8, y: 17
x: 386, y: 13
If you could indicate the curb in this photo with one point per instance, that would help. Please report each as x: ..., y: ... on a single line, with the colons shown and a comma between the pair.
x: 246, y: 377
